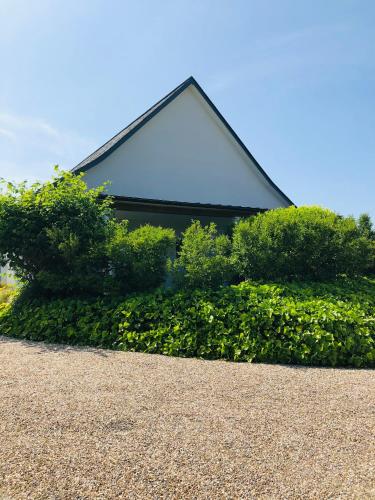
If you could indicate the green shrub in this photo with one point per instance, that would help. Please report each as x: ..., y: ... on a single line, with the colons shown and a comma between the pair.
x: 365, y: 226
x: 299, y: 243
x: 367, y: 230
x: 7, y: 293
x: 138, y: 258
x: 203, y: 260
x: 54, y: 235
x: 370, y: 270
x: 68, y: 321
x: 323, y: 325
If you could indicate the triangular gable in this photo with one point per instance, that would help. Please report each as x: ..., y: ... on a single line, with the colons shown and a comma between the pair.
x: 115, y: 159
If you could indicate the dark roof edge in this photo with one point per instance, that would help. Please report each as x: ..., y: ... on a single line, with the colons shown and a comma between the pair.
x: 156, y: 108
x: 152, y: 201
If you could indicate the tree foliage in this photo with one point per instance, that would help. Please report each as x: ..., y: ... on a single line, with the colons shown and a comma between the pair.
x: 367, y: 230
x: 54, y: 234
x: 366, y: 227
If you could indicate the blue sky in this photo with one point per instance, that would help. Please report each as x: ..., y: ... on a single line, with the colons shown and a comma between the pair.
x: 295, y: 79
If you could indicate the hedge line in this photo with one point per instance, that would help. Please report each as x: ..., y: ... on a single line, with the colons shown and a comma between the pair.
x: 316, y: 324
x: 64, y: 240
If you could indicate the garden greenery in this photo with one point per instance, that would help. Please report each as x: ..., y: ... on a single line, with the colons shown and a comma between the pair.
x: 7, y: 294
x: 88, y: 279
x: 54, y: 235
x: 367, y: 230
x: 138, y: 258
x: 300, y: 243
x: 61, y: 238
x: 309, y: 324
x: 203, y: 260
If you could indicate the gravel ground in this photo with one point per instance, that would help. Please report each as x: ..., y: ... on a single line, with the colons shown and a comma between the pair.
x: 87, y: 423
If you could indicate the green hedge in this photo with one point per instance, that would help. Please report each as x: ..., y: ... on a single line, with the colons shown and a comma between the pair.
x: 203, y: 260
x: 328, y: 325
x: 305, y: 243
x: 63, y: 239
x: 138, y: 258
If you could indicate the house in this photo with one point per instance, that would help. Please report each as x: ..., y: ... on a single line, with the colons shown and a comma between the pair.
x: 179, y: 161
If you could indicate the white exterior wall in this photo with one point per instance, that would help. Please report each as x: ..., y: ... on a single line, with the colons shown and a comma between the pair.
x: 185, y: 153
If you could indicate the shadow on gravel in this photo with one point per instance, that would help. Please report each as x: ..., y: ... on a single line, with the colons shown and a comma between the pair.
x: 43, y: 348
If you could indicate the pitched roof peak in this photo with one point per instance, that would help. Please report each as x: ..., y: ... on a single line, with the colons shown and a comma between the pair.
x: 125, y: 134
x: 135, y: 125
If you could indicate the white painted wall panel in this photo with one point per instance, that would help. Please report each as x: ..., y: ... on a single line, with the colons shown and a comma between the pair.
x: 185, y: 153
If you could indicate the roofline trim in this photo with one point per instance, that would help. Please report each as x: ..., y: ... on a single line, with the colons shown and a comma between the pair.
x: 129, y: 203
x: 154, y: 201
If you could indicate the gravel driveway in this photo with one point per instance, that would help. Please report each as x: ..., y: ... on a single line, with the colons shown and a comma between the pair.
x: 87, y: 423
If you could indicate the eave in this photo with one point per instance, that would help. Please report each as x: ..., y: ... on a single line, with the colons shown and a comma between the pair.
x: 132, y: 204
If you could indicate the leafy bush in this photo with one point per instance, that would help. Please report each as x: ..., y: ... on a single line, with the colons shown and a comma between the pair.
x: 326, y: 325
x: 71, y: 321
x: 138, y: 259
x: 203, y: 260
x: 367, y: 230
x: 7, y: 293
x: 365, y: 226
x: 299, y: 243
x: 370, y: 269
x: 54, y: 235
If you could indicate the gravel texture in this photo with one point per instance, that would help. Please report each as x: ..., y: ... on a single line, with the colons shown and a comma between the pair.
x: 86, y: 423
